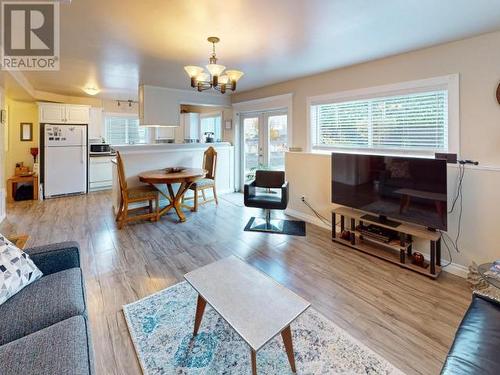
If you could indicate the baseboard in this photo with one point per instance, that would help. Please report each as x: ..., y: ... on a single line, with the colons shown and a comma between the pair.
x: 307, y: 218
x: 453, y: 268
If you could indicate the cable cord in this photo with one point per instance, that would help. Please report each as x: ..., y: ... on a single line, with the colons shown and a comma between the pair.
x: 447, y: 240
x: 316, y: 213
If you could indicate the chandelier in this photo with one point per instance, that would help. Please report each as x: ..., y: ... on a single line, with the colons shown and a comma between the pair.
x: 217, y: 76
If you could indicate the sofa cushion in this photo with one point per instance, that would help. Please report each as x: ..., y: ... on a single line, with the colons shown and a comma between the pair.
x: 62, y: 349
x: 47, y: 301
x: 475, y: 350
x: 17, y: 270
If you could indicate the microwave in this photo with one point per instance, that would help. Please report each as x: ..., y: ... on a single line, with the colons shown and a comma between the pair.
x: 100, y: 149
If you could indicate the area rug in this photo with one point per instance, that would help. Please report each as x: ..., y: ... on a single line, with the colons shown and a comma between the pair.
x: 290, y: 227
x: 161, y: 329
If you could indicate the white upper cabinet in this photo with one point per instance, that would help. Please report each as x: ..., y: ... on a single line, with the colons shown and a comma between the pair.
x: 52, y: 113
x: 77, y: 114
x: 64, y: 113
x: 96, y: 123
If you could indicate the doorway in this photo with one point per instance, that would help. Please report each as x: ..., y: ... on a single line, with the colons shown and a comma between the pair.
x: 264, y: 140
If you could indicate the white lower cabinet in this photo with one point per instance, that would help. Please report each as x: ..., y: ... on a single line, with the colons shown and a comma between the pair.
x: 100, y: 173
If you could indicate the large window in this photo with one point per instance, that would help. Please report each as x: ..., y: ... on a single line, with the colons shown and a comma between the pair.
x: 211, y: 123
x: 124, y: 130
x: 411, y: 120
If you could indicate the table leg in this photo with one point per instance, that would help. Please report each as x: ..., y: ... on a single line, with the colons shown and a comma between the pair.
x: 200, y: 309
x: 178, y: 200
x: 286, y: 334
x: 254, y: 361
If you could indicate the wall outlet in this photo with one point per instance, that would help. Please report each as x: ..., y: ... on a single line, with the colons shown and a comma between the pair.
x: 303, y: 198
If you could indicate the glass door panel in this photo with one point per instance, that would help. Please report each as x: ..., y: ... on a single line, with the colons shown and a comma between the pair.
x: 278, y: 141
x: 252, y: 150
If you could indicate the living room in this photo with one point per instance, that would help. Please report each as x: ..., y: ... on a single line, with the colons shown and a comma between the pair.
x: 319, y: 199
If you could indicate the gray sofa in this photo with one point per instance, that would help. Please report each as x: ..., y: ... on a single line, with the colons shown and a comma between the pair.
x: 44, y: 328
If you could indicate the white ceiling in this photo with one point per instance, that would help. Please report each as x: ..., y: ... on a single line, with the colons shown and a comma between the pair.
x: 117, y: 44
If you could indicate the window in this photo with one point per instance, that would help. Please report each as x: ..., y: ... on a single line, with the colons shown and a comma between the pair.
x: 124, y: 130
x: 211, y: 124
x: 414, y: 120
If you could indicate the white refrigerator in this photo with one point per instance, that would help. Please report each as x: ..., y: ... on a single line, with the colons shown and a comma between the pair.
x: 65, y: 160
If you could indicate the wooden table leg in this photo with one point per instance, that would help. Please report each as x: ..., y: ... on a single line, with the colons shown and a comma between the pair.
x: 200, y: 309
x: 253, y: 354
x: 10, y: 192
x: 286, y: 334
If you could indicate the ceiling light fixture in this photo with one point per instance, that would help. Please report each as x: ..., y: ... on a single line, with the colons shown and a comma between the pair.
x: 217, y: 76
x: 91, y: 90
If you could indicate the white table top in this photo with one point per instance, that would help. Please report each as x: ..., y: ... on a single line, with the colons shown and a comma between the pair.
x: 256, y: 306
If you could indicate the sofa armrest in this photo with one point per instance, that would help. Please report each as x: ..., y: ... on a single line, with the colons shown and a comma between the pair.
x: 55, y: 257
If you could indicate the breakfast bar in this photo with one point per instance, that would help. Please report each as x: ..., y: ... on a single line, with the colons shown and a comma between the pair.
x: 140, y: 158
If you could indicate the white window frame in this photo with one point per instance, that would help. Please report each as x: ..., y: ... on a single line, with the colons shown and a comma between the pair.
x: 124, y: 115
x: 449, y: 82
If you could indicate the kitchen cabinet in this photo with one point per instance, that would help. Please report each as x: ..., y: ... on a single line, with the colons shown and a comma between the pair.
x: 96, y: 123
x: 100, y: 172
x: 190, y: 122
x: 55, y: 113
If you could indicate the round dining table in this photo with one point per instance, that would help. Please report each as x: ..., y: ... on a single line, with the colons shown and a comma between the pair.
x: 185, y: 178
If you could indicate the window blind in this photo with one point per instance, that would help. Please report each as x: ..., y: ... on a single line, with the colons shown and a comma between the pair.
x: 124, y: 130
x: 414, y: 122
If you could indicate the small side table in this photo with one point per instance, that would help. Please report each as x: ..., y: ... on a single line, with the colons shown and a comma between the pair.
x: 19, y: 240
x: 483, y: 270
x: 12, y: 186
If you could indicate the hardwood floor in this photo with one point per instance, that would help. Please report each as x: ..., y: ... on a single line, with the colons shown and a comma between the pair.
x: 408, y: 319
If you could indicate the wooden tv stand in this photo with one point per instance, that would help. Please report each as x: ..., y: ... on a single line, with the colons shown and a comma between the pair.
x: 396, y: 251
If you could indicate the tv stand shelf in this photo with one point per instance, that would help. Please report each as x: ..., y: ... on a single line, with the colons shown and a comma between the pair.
x: 399, y: 252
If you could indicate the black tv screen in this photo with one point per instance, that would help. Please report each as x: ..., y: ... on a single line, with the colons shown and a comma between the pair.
x: 401, y: 188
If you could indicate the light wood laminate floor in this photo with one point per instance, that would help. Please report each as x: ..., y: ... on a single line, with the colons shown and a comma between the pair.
x: 408, y: 319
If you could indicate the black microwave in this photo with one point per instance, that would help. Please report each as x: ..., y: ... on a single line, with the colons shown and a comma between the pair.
x: 99, y: 148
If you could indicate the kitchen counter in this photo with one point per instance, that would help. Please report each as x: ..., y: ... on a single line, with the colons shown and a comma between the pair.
x: 140, y: 158
x: 166, y: 147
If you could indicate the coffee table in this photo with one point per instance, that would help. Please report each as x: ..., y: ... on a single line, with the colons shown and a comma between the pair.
x: 254, y: 305
x: 487, y: 275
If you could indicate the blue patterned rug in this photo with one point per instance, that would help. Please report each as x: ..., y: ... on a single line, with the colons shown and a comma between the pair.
x: 161, y: 328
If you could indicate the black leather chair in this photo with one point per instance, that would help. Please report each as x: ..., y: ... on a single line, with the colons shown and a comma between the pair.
x: 476, y: 348
x: 258, y: 194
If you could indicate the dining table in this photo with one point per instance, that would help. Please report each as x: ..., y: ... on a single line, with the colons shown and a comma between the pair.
x: 185, y: 178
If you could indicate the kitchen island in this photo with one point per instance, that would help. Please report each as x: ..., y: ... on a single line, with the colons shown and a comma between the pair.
x: 141, y: 158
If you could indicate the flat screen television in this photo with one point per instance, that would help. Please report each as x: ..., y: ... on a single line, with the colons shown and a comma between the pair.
x: 401, y: 188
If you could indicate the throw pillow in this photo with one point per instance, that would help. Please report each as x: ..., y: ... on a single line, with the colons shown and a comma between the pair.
x: 16, y: 270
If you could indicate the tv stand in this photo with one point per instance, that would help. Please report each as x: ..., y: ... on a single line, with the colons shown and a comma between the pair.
x: 381, y: 220
x: 398, y: 251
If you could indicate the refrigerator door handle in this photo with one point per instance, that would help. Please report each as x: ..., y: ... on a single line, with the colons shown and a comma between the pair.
x: 83, y: 148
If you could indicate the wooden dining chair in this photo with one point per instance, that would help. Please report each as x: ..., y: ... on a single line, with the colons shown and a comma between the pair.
x: 210, y: 165
x: 144, y: 193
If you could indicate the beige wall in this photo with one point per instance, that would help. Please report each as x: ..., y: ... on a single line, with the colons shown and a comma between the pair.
x: 17, y: 151
x: 477, y: 61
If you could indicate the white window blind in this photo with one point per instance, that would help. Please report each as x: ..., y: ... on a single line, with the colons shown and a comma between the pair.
x: 124, y: 130
x: 415, y: 122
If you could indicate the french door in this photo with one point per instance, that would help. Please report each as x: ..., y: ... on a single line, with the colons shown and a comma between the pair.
x: 264, y: 142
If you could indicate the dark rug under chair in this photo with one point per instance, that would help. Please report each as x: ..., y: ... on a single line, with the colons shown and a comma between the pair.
x: 290, y: 227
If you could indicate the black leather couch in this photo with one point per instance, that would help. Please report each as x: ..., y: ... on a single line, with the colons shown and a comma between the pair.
x: 476, y: 348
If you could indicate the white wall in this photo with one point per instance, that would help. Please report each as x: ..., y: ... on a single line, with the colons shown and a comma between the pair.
x: 476, y: 60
